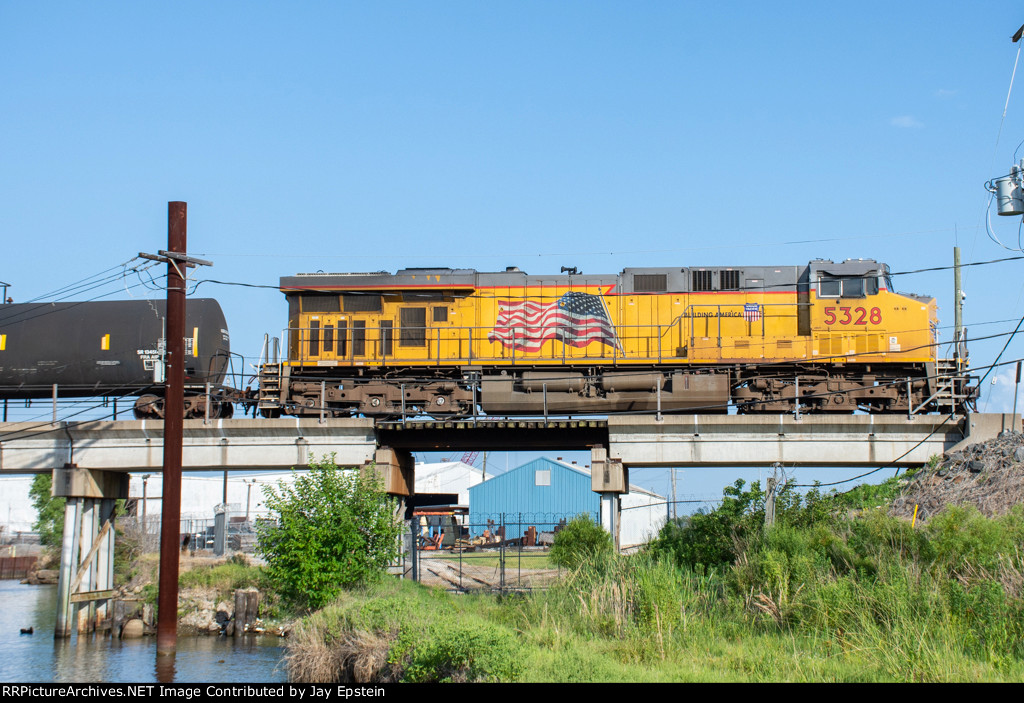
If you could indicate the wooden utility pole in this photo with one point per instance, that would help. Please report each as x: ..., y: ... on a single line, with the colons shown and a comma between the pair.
x: 174, y: 410
x: 958, y: 312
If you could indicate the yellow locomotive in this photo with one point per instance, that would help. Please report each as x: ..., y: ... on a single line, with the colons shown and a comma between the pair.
x: 831, y: 337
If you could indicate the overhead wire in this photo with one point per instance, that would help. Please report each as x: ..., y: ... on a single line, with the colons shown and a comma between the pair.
x: 83, y: 281
x: 995, y: 147
x: 44, y: 309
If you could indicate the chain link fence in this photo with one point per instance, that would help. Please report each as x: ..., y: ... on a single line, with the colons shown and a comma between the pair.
x: 198, y: 532
x: 500, y: 552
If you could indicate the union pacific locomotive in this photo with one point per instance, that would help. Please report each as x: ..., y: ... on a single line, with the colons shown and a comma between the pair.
x: 827, y: 337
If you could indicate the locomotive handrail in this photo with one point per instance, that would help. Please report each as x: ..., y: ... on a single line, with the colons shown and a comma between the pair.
x: 455, y: 344
x: 378, y: 339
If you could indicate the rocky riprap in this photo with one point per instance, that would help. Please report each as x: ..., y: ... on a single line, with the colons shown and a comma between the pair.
x: 989, y: 476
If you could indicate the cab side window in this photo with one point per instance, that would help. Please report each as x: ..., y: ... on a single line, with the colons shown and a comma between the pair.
x: 847, y: 286
x: 829, y: 287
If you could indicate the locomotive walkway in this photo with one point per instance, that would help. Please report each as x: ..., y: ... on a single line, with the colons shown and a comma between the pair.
x: 640, y: 441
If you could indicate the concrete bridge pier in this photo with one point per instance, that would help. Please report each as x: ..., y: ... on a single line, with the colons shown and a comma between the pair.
x: 609, y: 479
x: 396, y: 469
x: 86, y: 581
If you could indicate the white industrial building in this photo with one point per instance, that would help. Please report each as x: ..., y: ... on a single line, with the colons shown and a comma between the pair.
x: 451, y: 477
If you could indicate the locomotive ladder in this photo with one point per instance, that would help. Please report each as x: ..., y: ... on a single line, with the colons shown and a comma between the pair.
x: 950, y: 388
x: 270, y: 387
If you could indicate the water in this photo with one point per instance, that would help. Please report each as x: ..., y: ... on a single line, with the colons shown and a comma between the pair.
x: 99, y: 658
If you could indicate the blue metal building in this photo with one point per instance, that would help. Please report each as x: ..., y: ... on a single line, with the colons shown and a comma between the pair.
x: 543, y: 491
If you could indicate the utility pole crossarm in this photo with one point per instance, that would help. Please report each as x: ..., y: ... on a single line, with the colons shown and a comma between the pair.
x: 189, y: 261
x: 173, y: 258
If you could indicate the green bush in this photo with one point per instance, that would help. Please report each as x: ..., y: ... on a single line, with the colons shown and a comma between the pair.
x: 401, y: 631
x: 962, y: 536
x: 581, y: 542
x: 464, y: 651
x: 334, y: 529
x: 709, y: 539
x: 49, y: 511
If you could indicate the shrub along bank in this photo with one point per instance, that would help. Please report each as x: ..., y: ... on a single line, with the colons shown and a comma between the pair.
x: 837, y: 590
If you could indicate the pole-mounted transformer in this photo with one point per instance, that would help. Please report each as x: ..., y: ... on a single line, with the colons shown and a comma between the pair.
x: 1009, y: 191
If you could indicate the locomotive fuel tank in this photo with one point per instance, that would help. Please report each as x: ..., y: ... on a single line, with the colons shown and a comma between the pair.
x: 103, y: 347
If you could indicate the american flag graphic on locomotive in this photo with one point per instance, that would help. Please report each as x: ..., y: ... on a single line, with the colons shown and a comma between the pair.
x: 576, y: 319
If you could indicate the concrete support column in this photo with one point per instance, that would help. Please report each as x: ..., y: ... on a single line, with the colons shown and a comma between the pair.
x: 609, y: 479
x: 396, y: 469
x: 105, y: 563
x: 610, y: 512
x: 68, y: 565
x: 87, y: 552
x: 87, y: 583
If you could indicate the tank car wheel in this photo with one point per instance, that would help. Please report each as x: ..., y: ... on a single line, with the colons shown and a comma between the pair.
x: 149, y: 407
x: 270, y: 413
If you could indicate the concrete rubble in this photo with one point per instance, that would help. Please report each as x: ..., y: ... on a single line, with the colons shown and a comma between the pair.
x: 989, y: 476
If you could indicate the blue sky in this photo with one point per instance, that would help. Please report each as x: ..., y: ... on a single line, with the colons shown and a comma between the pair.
x: 344, y: 136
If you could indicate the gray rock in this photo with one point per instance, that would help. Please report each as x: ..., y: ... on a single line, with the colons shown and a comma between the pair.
x: 976, y: 467
x: 133, y: 629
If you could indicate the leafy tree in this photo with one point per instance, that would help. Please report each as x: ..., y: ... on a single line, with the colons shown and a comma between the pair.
x: 49, y: 511
x: 581, y: 542
x: 334, y: 529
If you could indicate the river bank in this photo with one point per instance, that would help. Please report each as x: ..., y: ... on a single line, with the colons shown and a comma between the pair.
x: 101, y: 658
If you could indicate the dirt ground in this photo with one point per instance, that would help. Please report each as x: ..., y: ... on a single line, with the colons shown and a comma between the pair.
x: 445, y: 570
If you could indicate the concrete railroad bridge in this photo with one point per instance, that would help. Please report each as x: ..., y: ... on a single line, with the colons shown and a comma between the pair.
x: 90, y: 460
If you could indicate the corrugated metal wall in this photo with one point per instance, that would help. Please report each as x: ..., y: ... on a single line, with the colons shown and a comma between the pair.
x: 516, y: 491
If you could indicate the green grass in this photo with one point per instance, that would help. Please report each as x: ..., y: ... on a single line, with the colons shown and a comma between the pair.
x: 854, y: 599
x: 225, y: 578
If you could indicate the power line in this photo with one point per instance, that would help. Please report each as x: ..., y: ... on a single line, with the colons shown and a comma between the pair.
x: 83, y: 281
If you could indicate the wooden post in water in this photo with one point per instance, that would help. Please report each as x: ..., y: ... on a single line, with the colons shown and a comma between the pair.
x: 247, y: 609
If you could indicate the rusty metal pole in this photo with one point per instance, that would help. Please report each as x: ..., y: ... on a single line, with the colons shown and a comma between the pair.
x: 167, y: 601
